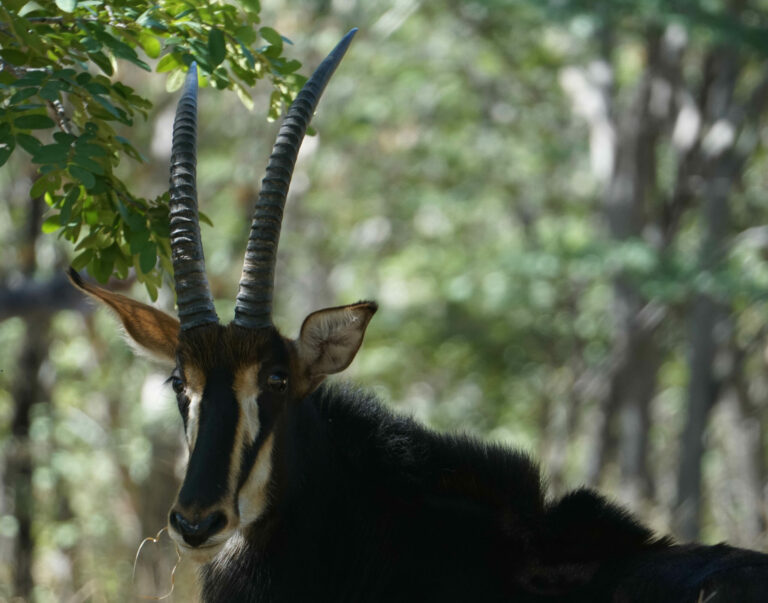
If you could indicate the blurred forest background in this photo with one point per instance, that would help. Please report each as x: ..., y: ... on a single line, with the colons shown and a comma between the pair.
x: 561, y: 207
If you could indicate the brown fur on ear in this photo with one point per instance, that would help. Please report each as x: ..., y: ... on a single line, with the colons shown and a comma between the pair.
x: 151, y: 329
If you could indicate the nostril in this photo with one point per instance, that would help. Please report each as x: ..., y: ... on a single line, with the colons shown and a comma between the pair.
x: 215, y: 522
x: 181, y: 525
x: 196, y: 533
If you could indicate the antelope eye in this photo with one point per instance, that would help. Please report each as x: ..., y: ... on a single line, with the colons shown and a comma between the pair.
x: 277, y: 382
x: 177, y: 384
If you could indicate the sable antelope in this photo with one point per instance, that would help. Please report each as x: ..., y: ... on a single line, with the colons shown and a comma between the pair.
x: 298, y: 491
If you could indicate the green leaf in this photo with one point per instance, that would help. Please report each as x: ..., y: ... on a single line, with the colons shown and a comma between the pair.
x: 168, y: 63
x: 66, y: 205
x: 118, y: 114
x: 252, y: 5
x: 82, y: 260
x: 101, y: 268
x: 137, y: 239
x: 33, y: 122
x: 102, y: 61
x: 51, y: 224
x: 289, y: 67
x: 148, y: 257
x: 147, y: 19
x: 244, y: 97
x: 175, y: 81
x: 5, y: 153
x: 204, y: 218
x: 81, y: 175
x: 29, y: 7
x: 13, y: 56
x: 271, y: 36
x: 89, y: 164
x: 66, y: 5
x: 29, y: 143
x: 216, y: 46
x: 22, y: 94
x: 246, y: 35
x: 150, y: 44
x: 41, y: 186
x: 51, y: 90
x: 51, y: 153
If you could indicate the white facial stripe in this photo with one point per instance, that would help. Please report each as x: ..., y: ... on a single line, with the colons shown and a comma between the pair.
x: 253, y: 495
x: 247, y: 388
x: 193, y: 417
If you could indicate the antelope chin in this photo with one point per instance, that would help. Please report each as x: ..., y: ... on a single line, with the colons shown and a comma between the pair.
x: 205, y: 552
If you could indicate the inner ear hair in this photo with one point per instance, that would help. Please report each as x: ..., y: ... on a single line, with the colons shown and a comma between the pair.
x: 329, y: 338
x: 153, y: 331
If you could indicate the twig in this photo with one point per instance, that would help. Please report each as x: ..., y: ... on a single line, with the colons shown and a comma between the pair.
x: 61, y: 116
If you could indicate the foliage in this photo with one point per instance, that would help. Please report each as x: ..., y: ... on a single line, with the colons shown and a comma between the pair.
x: 451, y: 182
x: 62, y: 102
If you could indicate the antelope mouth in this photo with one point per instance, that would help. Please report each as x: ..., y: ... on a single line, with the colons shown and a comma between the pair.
x: 204, y: 552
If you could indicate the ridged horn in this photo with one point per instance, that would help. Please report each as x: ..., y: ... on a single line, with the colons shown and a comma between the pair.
x: 253, y: 309
x: 193, y: 296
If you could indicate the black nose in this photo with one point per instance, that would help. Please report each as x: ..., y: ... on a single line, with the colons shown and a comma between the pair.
x: 196, y: 533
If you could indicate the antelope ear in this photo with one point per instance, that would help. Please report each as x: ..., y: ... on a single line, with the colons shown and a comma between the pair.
x: 152, y: 330
x: 330, y: 338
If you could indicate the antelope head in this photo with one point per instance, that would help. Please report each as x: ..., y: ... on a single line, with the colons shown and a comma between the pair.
x: 232, y: 382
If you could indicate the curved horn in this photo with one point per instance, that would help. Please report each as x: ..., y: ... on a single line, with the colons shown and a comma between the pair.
x: 193, y: 295
x: 253, y: 309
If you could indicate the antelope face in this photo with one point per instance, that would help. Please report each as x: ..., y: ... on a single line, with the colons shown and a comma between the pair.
x: 232, y: 386
x: 234, y: 382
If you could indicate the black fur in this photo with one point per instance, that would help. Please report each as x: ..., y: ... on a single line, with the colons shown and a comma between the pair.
x: 205, y: 482
x: 368, y: 505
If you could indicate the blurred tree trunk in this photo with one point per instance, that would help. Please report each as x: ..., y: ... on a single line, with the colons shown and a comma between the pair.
x: 26, y: 391
x: 631, y: 188
x: 709, y: 321
x: 729, y: 138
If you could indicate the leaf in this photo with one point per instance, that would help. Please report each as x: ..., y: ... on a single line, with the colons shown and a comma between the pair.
x: 82, y: 176
x: 216, y: 46
x: 252, y: 5
x: 88, y: 164
x: 289, y: 67
x: 50, y: 91
x: 82, y: 260
x: 175, y: 81
x: 204, y: 218
x: 147, y: 19
x: 101, y: 268
x: 13, y: 56
x: 66, y: 5
x: 29, y: 7
x: 66, y: 205
x: 33, y: 122
x: 137, y: 239
x: 150, y: 44
x: 271, y: 36
x: 51, y: 153
x: 5, y: 153
x: 29, y: 143
x: 22, y: 94
x: 245, y: 34
x: 118, y: 114
x: 40, y: 186
x: 51, y: 224
x: 168, y: 63
x: 244, y: 97
x: 102, y: 61
x: 148, y: 257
